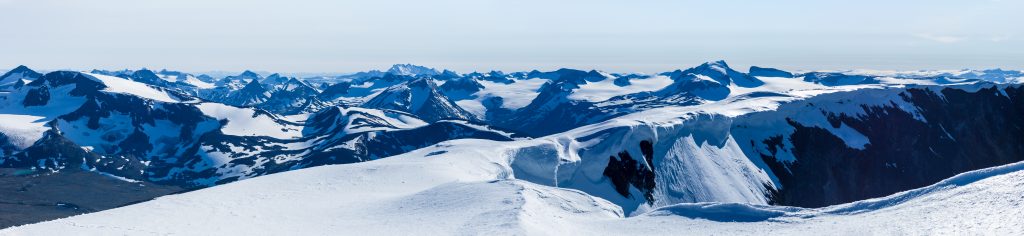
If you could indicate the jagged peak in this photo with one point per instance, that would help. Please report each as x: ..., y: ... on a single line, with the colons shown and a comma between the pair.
x: 254, y: 85
x: 412, y: 70
x: 449, y: 72
x: 22, y: 70
x: 496, y: 73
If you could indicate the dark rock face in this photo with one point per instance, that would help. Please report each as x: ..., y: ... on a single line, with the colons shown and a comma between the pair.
x: 37, y: 97
x: 422, y: 98
x: 769, y: 72
x: 335, y: 91
x: 6, y: 147
x: 962, y: 131
x: 22, y: 70
x: 624, y: 171
x: 458, y: 89
x: 838, y: 79
x: 53, y: 152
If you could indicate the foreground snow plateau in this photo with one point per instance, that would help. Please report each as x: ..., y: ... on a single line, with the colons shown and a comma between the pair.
x: 475, y: 193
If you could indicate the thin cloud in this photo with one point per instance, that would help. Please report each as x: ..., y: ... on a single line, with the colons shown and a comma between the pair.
x: 999, y: 38
x: 941, y: 38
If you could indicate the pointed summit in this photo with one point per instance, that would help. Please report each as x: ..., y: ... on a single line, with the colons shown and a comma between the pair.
x: 254, y: 85
x: 252, y: 94
x: 22, y: 69
x: 419, y: 97
x: 274, y: 80
x: 447, y: 74
x: 19, y: 73
x: 249, y: 74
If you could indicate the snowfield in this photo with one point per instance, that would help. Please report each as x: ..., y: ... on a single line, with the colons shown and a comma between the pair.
x: 605, y: 89
x: 475, y: 193
x: 249, y: 122
x: 125, y: 86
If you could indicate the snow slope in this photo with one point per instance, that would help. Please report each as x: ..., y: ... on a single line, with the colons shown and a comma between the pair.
x: 471, y: 193
x: 250, y: 122
x: 122, y: 85
x: 515, y: 95
x: 25, y: 125
x: 605, y: 89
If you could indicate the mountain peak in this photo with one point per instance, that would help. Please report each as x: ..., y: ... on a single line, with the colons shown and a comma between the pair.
x: 145, y: 76
x: 19, y: 73
x: 249, y: 74
x: 22, y: 68
x: 718, y: 71
x: 420, y: 83
x: 254, y: 84
x: 419, y: 97
x: 448, y: 74
x: 412, y: 70
x: 496, y: 73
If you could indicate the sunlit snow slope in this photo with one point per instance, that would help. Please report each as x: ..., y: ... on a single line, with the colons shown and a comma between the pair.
x: 469, y: 193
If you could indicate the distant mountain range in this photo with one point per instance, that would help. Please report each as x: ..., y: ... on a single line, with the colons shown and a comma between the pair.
x: 640, y: 142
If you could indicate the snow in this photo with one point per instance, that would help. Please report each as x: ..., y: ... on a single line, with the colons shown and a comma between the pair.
x: 117, y: 177
x: 391, y: 120
x: 121, y: 85
x: 199, y: 83
x: 25, y: 125
x: 473, y: 107
x: 514, y: 95
x: 246, y: 122
x: 22, y: 130
x: 706, y: 183
x: 469, y: 193
x: 13, y: 78
x: 605, y: 89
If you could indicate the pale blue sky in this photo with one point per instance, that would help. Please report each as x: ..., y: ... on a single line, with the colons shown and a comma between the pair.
x: 617, y: 36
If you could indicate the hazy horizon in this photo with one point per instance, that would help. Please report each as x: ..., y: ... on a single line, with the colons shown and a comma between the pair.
x: 334, y: 37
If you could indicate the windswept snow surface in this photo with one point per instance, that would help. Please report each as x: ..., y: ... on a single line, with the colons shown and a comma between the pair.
x: 122, y: 85
x: 605, y: 89
x: 22, y: 130
x: 25, y: 125
x: 515, y: 95
x: 250, y: 122
x: 469, y: 192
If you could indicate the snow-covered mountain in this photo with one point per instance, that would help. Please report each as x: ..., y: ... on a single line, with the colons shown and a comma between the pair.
x: 420, y: 97
x: 275, y: 93
x: 414, y: 70
x: 141, y: 132
x: 471, y: 192
x: 695, y: 147
x: 17, y: 77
